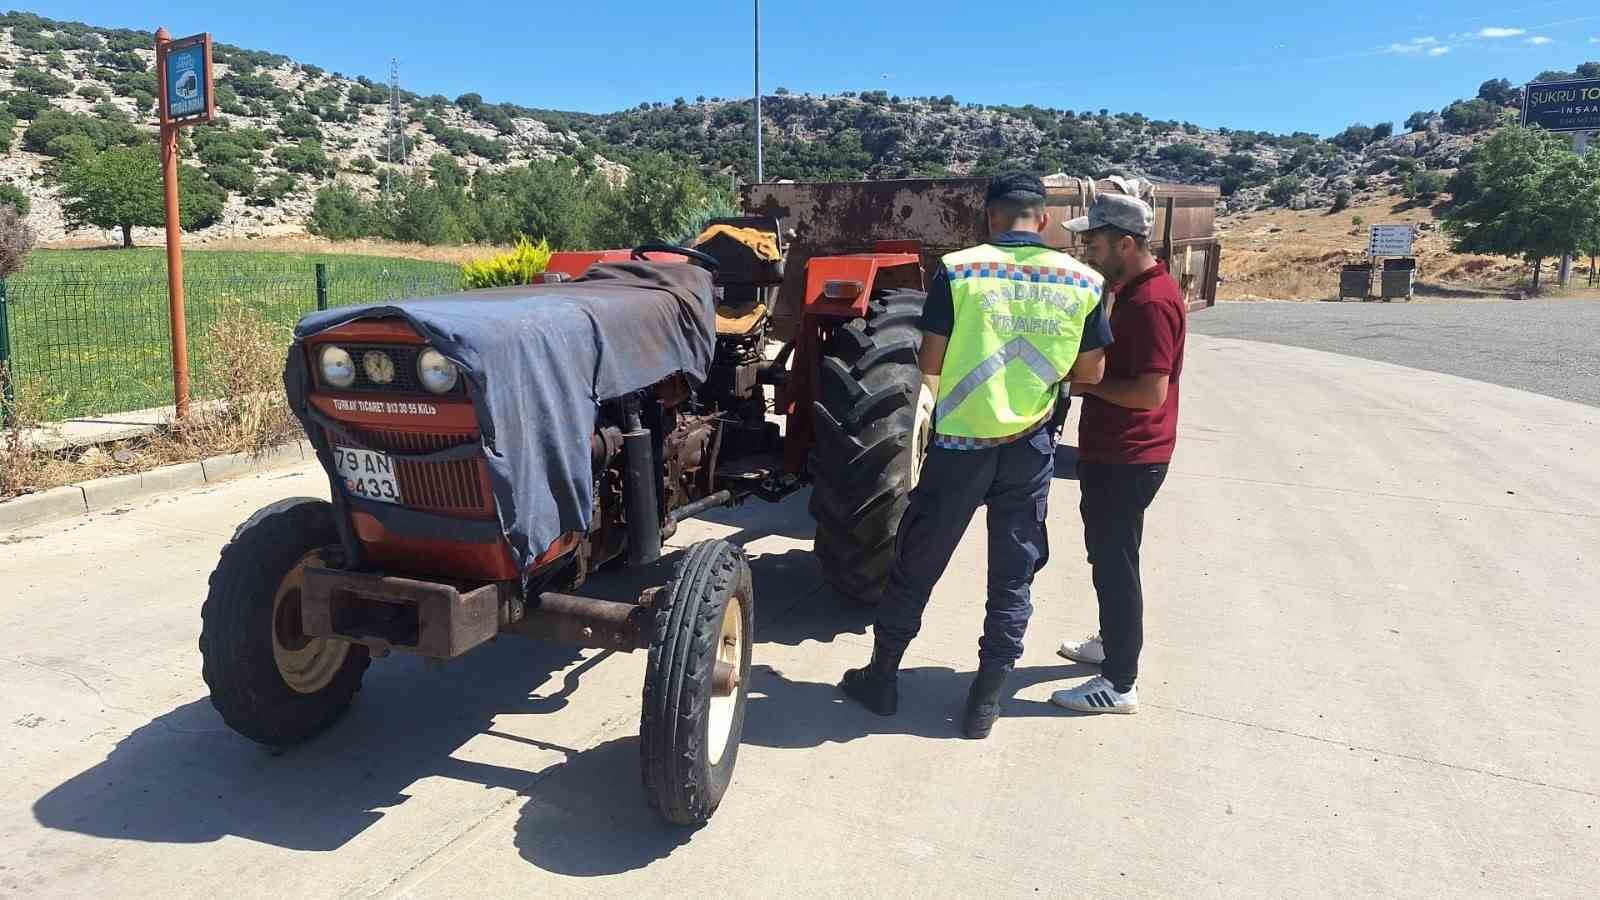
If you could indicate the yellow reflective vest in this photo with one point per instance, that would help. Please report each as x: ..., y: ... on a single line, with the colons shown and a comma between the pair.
x: 1019, y: 315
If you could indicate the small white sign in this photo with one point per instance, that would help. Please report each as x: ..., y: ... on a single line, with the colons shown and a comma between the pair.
x: 1390, y: 240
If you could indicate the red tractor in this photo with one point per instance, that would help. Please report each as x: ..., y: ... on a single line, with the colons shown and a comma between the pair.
x: 487, y: 451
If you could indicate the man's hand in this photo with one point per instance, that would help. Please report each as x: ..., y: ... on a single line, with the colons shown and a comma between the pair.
x: 1148, y: 391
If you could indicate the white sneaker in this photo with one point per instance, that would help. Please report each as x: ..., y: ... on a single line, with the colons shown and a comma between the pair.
x: 1089, y: 650
x: 1098, y: 696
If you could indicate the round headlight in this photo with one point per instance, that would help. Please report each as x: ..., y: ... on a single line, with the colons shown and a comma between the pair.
x: 436, y: 373
x: 378, y: 365
x: 338, y: 369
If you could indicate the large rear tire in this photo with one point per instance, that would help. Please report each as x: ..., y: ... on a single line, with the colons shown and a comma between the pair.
x: 696, y: 682
x: 869, y: 442
x: 271, y: 682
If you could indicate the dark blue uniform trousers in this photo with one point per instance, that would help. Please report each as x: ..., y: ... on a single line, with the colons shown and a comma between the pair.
x: 1013, y: 481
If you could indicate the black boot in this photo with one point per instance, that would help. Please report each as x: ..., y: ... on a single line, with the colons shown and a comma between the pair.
x: 983, y: 700
x: 877, y: 684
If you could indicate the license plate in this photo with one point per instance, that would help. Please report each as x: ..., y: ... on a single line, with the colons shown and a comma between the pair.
x: 367, y: 474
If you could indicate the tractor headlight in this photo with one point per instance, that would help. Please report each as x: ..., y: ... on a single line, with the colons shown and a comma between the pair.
x: 338, y: 369
x: 436, y: 373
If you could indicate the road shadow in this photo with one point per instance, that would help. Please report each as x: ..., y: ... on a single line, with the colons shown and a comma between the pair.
x: 185, y: 777
x: 796, y: 715
x: 587, y: 816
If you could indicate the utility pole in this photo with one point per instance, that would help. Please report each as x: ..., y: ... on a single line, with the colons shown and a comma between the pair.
x: 394, y: 150
x: 760, y: 173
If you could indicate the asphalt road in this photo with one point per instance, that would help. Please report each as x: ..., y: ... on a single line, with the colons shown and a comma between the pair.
x: 1549, y: 347
x: 1369, y: 671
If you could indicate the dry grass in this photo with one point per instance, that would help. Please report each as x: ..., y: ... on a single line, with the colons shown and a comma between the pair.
x: 247, y: 413
x: 22, y: 470
x: 1296, y: 255
x: 245, y: 379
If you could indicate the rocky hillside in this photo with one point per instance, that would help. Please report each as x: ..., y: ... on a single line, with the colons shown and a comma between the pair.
x: 293, y: 127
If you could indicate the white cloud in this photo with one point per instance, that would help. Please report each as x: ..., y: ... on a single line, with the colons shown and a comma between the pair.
x: 1493, y: 32
x: 1540, y: 40
x: 1594, y: 40
x: 1415, y: 45
x: 1438, y: 51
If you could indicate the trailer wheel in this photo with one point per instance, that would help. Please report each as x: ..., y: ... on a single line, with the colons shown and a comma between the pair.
x: 271, y: 682
x: 869, y: 443
x: 696, y: 682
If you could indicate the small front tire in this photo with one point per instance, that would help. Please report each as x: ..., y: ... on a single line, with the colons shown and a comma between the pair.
x: 696, y: 682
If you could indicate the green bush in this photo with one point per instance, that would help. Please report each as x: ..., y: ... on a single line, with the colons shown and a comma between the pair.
x: 11, y: 195
x: 1283, y: 190
x: 92, y: 92
x: 127, y: 84
x: 237, y: 177
x: 142, y: 101
x: 26, y: 105
x: 268, y: 193
x: 339, y: 214
x: 1425, y: 185
x: 8, y: 129
x: 522, y: 265
x: 1341, y: 200
x: 305, y: 158
x: 71, y: 147
x: 364, y: 164
x: 31, y: 79
x: 122, y: 61
x: 301, y: 126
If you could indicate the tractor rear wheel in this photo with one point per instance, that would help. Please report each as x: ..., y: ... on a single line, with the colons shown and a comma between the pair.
x: 869, y: 442
x: 269, y: 680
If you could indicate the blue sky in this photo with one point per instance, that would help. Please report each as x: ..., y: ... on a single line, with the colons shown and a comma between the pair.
x: 1269, y: 66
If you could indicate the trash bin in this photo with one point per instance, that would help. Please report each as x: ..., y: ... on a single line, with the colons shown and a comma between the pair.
x: 1399, y: 277
x: 1355, y: 280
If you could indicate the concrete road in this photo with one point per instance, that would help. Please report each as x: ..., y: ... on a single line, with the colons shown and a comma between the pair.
x: 1370, y: 671
x: 1550, y: 347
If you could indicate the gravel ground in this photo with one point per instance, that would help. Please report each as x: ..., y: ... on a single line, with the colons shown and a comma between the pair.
x: 1550, y: 347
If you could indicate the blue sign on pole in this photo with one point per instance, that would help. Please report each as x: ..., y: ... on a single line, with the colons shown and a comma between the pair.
x: 187, y: 90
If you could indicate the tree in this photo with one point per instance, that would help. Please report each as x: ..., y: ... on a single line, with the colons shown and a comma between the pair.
x: 1353, y: 138
x: 1418, y: 121
x: 339, y: 214
x: 1467, y: 116
x: 1382, y: 131
x: 1532, y: 197
x: 31, y: 79
x: 12, y: 196
x: 1497, y: 91
x: 1425, y: 185
x: 26, y: 105
x: 657, y: 202
x: 1341, y: 200
x: 121, y: 188
x: 1283, y: 190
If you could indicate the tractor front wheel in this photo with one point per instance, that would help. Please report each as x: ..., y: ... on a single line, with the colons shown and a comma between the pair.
x: 269, y: 680
x: 696, y: 682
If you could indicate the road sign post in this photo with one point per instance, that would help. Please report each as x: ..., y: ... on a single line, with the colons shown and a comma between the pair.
x: 183, y: 75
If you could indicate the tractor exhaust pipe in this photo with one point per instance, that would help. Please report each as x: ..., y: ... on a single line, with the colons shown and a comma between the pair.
x: 639, y: 488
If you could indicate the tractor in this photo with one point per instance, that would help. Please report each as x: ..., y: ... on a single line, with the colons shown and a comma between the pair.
x: 488, y: 451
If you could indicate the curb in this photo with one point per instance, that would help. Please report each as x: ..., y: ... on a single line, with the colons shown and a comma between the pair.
x: 101, y: 494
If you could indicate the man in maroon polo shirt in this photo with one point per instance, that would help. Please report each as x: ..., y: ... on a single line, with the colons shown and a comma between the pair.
x: 1127, y: 430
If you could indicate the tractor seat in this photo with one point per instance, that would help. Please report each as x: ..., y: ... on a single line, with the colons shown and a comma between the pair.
x: 749, y: 251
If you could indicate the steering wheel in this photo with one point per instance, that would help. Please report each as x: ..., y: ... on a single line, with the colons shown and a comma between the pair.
x: 704, y: 260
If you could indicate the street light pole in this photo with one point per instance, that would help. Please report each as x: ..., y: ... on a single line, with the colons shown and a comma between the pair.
x: 760, y: 173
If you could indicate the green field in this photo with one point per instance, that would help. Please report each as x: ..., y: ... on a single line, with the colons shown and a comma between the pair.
x: 89, y: 328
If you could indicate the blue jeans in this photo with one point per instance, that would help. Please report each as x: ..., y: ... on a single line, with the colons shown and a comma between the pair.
x: 1013, y: 481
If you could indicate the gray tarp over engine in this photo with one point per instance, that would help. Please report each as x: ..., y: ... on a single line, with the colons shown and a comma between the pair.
x: 537, y: 361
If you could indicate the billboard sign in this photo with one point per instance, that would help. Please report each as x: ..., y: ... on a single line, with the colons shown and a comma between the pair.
x: 1390, y: 240
x: 186, y: 93
x: 1562, y: 105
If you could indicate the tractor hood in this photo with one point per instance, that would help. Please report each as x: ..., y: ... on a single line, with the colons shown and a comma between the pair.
x: 537, y: 360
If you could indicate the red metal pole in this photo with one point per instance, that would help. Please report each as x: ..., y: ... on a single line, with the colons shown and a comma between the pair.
x: 169, y: 177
